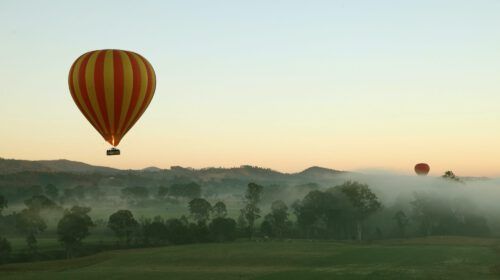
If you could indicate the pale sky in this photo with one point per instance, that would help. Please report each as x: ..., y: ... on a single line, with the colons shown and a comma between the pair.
x: 280, y: 84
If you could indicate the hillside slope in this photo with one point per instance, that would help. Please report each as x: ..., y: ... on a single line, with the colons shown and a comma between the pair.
x: 9, y: 166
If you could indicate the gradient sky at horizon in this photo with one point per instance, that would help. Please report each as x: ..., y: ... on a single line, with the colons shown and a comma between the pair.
x: 280, y: 84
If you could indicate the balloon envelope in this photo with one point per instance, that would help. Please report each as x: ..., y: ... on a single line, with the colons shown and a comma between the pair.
x: 112, y: 88
x: 422, y: 169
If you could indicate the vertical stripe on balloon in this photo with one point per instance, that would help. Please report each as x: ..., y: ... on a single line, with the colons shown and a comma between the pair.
x: 142, y: 77
x: 151, y: 85
x: 72, y: 81
x: 118, y: 86
x: 81, y: 91
x: 98, y: 81
x: 136, y: 85
x: 128, y: 80
x: 91, y: 90
x: 109, y: 89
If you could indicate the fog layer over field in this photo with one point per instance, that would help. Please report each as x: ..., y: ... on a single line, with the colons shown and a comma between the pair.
x: 314, y: 203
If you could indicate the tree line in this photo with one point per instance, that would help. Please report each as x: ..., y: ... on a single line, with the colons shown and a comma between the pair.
x: 343, y: 212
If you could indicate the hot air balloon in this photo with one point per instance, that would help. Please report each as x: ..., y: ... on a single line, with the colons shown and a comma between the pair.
x: 112, y: 89
x: 422, y: 169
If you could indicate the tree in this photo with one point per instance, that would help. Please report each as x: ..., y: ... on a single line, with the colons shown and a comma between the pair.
x: 279, y: 213
x: 242, y: 224
x: 364, y: 201
x: 123, y: 224
x: 52, y: 191
x: 3, y: 204
x: 5, y: 249
x: 266, y: 227
x: 401, y: 222
x: 200, y: 209
x: 223, y: 229
x: 276, y: 223
x: 38, y: 203
x: 428, y: 211
x: 440, y: 215
x: 155, y: 232
x: 449, y: 175
x: 251, y: 212
x: 219, y: 210
x: 73, y: 228
x: 178, y: 232
x: 305, y: 217
x: 323, y: 214
x: 29, y: 223
x: 199, y: 232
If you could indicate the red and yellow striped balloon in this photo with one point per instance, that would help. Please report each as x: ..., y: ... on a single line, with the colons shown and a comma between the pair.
x: 112, y: 88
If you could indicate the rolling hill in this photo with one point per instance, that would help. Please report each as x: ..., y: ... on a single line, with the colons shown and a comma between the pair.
x: 24, y: 172
x: 10, y: 166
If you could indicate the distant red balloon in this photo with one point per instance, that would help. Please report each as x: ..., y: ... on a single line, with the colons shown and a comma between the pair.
x: 422, y: 169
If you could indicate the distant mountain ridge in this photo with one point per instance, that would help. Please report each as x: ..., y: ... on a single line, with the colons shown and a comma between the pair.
x: 11, y: 166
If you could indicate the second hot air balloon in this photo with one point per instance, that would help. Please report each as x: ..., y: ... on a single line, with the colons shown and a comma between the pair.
x: 422, y: 169
x: 112, y: 89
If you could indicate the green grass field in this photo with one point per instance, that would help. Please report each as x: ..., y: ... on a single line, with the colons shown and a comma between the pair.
x: 430, y: 258
x: 46, y: 243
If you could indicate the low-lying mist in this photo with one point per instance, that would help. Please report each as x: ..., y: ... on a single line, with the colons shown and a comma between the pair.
x: 154, y: 194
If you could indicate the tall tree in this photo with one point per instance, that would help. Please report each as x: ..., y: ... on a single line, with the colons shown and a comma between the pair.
x: 242, y: 224
x: 123, y: 224
x: 29, y: 223
x: 251, y: 211
x: 320, y: 214
x: 275, y: 223
x: 279, y: 212
x: 200, y: 210
x: 73, y: 227
x: 219, y: 210
x: 363, y: 200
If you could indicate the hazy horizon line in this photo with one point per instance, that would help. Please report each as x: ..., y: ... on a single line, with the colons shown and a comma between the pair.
x: 365, y: 170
